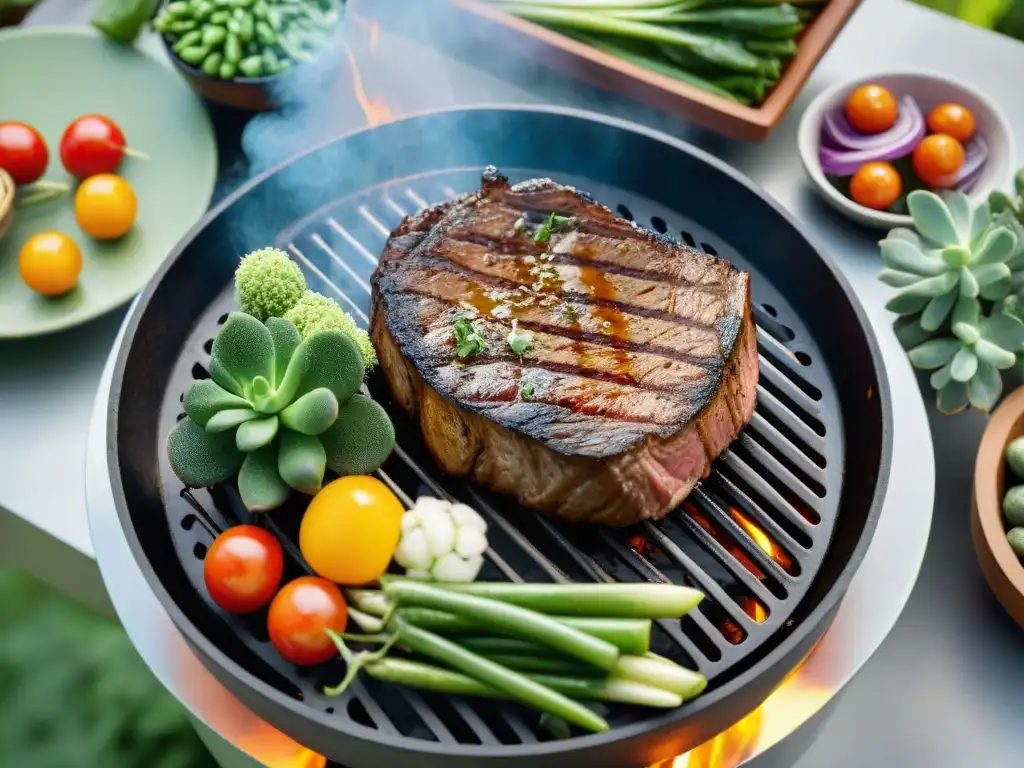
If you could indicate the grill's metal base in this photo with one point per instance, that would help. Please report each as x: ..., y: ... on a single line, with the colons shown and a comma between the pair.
x: 872, y: 604
x: 797, y: 477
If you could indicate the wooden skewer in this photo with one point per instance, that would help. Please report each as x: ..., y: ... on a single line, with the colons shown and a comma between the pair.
x: 6, y: 201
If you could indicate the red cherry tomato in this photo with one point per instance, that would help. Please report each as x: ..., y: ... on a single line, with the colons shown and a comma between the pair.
x: 243, y: 568
x: 92, y: 144
x: 23, y: 153
x: 299, y: 616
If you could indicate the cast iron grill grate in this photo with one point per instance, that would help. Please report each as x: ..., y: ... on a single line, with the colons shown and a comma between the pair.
x: 752, y: 536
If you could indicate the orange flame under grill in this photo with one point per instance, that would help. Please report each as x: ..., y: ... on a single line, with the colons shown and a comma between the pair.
x: 753, y: 608
x: 376, y: 110
x: 762, y: 539
x: 722, y: 538
x: 640, y: 544
x: 731, y: 747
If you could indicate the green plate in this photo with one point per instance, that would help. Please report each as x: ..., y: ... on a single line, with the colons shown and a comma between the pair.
x: 50, y: 77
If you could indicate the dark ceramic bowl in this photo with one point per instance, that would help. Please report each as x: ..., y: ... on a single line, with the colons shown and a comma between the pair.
x: 250, y: 94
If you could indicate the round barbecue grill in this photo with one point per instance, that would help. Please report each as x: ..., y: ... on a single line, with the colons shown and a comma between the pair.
x: 773, y: 536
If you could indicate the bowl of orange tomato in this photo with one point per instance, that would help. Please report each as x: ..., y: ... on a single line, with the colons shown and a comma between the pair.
x: 868, y: 143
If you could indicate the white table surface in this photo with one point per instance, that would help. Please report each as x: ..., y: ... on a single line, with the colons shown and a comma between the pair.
x: 944, y: 688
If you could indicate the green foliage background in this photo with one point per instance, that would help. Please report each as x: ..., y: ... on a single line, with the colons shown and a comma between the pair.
x: 74, y: 693
x: 1006, y: 16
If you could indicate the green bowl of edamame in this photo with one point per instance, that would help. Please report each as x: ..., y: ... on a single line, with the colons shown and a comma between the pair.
x: 236, y: 52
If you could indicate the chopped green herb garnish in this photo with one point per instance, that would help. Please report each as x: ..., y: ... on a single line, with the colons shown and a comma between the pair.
x: 468, y: 341
x: 526, y: 392
x: 544, y: 230
x: 519, y: 340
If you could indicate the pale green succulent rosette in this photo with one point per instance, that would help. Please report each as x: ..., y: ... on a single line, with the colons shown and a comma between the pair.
x: 956, y: 275
x: 278, y: 411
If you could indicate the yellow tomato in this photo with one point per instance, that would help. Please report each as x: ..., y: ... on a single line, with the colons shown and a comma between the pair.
x: 50, y: 263
x: 105, y: 206
x: 350, y: 530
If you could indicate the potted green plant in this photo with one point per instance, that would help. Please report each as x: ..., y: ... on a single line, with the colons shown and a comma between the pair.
x: 960, y: 274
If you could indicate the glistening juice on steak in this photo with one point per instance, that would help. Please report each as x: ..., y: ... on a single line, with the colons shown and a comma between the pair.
x: 641, y: 365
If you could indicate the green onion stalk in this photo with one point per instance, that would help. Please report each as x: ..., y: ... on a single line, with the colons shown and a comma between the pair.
x: 733, y: 49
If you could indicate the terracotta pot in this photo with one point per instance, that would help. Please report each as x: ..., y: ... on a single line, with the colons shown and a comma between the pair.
x: 1003, y: 570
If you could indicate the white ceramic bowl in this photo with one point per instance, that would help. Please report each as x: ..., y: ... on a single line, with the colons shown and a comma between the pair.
x: 928, y: 90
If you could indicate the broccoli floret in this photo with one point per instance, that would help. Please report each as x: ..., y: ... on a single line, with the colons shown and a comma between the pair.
x: 314, y: 312
x: 268, y: 283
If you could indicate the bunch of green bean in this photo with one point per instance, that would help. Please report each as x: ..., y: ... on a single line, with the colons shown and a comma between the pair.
x: 735, y: 49
x: 548, y: 646
x: 247, y: 38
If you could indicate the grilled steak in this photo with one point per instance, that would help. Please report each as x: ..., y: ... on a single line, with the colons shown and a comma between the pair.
x: 641, y: 368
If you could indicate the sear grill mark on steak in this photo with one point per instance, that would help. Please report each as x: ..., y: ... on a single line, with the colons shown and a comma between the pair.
x: 641, y: 370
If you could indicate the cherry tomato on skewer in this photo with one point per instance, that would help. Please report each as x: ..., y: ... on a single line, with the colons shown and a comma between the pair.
x: 242, y: 568
x: 93, y: 144
x: 23, y: 152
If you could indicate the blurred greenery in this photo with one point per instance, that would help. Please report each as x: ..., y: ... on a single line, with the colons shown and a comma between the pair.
x: 75, y: 694
x: 12, y: 11
x: 1006, y: 16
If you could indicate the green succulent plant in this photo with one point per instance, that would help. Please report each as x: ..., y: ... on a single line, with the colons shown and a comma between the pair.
x: 1009, y: 212
x: 279, y: 411
x: 955, y: 253
x: 967, y: 364
x: 957, y: 272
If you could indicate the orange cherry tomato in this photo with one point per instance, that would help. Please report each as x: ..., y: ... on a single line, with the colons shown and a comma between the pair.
x: 871, y: 109
x: 875, y: 185
x: 50, y: 263
x: 350, y: 529
x: 937, y: 159
x: 105, y: 206
x: 242, y: 568
x: 953, y: 120
x: 299, y: 615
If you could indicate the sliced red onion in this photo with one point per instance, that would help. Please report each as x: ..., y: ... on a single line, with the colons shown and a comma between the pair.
x: 837, y: 132
x: 843, y: 162
x: 975, y: 155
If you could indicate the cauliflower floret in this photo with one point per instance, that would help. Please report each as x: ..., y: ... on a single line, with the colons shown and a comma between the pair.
x: 268, y: 283
x: 314, y: 312
x: 441, y: 541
